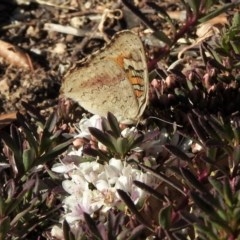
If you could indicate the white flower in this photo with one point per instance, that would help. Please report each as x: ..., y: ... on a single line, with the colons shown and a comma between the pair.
x: 91, y: 170
x: 57, y: 233
x: 63, y: 168
x: 93, y: 186
x: 128, y: 132
x: 85, y: 123
x: 76, y: 152
x: 87, y: 201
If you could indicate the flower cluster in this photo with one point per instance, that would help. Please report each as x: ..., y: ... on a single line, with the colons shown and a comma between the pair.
x: 92, y: 186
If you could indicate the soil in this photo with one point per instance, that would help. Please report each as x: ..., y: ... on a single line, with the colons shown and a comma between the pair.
x: 25, y: 25
x: 42, y: 39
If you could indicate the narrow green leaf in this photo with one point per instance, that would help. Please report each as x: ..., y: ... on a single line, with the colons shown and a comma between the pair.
x: 4, y: 227
x: 51, y: 122
x: 134, y: 142
x: 205, y: 232
x: 236, y: 213
x: 162, y: 37
x: 92, y: 226
x: 162, y: 11
x: 29, y: 156
x: 236, y: 156
x: 102, y: 137
x: 16, y: 162
x: 122, y: 146
x: 47, y: 135
x: 227, y: 192
x: 164, y: 178
x: 165, y: 217
x: 192, y: 180
x: 24, y: 212
x: 53, y: 152
x: 219, y: 129
x: 61, y: 147
x: 236, y: 20
x: 2, y: 206
x: 14, y: 203
x: 218, y: 11
x: 177, y: 152
x: 217, y: 185
x: 217, y: 58
x: 208, y: 129
x: 198, y: 129
x: 150, y: 190
x: 202, y: 204
x: 194, y: 5
x: 128, y: 201
x: 16, y: 136
x: 208, y: 4
x: 138, y: 14
x: 235, y: 47
x: 68, y: 235
x: 29, y: 130
x: 209, y: 207
x: 136, y: 233
x: 114, y: 125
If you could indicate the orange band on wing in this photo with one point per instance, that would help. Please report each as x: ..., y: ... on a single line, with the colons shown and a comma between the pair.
x: 138, y: 85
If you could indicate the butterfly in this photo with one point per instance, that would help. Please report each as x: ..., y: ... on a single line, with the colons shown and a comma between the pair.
x: 113, y: 79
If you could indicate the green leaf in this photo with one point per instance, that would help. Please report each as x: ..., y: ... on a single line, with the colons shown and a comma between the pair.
x: 2, y: 207
x: 51, y: 122
x: 198, y: 129
x: 177, y: 152
x: 194, y: 5
x: 164, y: 178
x: 208, y: 129
x: 135, y: 141
x: 22, y: 213
x: 104, y: 138
x: 165, y: 217
x: 114, y: 125
x: 68, y: 235
x: 29, y: 130
x: 14, y: 203
x: 162, y: 37
x: 236, y: 20
x: 16, y: 163
x: 29, y: 156
x: 215, y: 124
x: 4, y: 227
x: 136, y: 233
x: 122, y: 146
x: 54, y: 152
x: 150, y: 190
x: 227, y: 192
x: 162, y: 12
x: 128, y: 201
x: 47, y: 136
x: 192, y: 180
x: 205, y: 232
x: 218, y: 11
x: 202, y: 204
x: 236, y: 158
x: 92, y: 226
x: 217, y: 185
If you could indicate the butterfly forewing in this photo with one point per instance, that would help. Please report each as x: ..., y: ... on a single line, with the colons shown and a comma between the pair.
x: 114, y: 79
